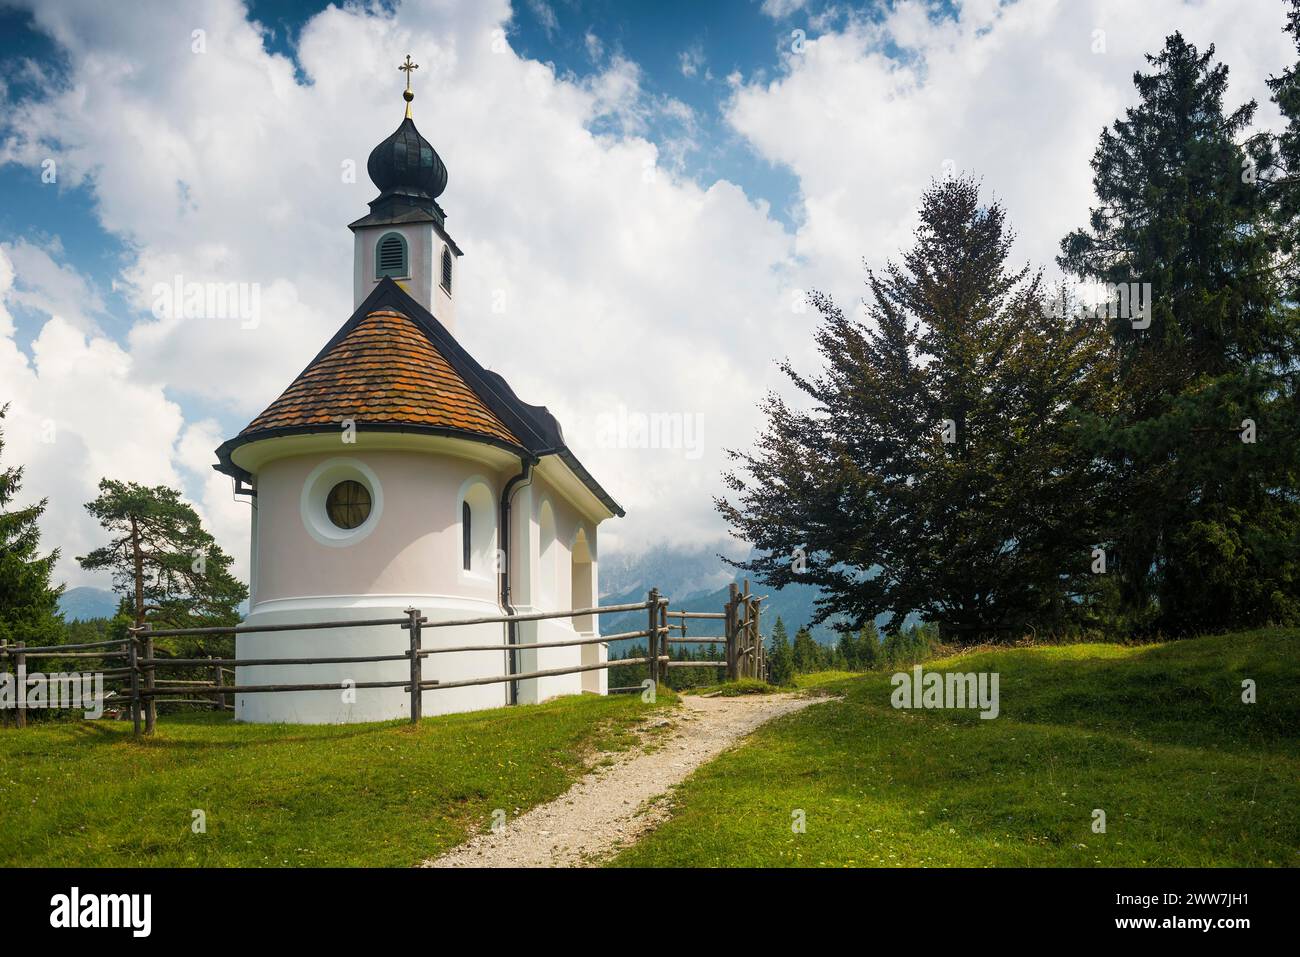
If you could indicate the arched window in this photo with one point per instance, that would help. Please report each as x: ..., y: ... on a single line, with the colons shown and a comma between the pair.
x: 466, y: 535
x: 446, y: 269
x: 478, y: 529
x: 390, y: 257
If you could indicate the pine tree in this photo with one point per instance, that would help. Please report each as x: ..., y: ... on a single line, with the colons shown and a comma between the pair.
x: 1203, y: 527
x: 806, y: 654
x: 1281, y: 175
x: 28, y: 602
x: 868, y: 646
x: 780, y: 659
x: 939, y: 469
x: 846, y: 651
x: 170, y: 572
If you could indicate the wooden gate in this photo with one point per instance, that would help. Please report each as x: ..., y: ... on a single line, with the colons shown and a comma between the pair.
x: 745, y: 658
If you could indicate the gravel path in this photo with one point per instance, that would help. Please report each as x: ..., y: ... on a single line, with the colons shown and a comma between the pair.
x: 611, y: 807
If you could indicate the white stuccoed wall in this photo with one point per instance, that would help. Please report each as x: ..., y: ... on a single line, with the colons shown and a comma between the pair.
x: 330, y: 707
x: 530, y: 596
x: 411, y: 557
x: 424, y: 245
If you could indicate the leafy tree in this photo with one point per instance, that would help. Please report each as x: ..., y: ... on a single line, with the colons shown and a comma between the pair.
x: 28, y: 602
x: 169, y: 570
x: 939, y: 468
x: 1203, y: 527
x: 780, y: 657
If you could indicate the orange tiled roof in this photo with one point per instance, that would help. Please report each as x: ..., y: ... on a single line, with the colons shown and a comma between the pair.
x: 385, y: 371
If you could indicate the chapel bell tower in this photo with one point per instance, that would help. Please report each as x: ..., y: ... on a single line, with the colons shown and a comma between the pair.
x: 405, y: 236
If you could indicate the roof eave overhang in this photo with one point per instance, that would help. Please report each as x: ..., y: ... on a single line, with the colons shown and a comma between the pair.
x: 563, y: 470
x: 242, y: 457
x: 404, y: 219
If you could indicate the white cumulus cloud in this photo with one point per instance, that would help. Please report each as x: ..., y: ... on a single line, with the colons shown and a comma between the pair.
x: 598, y: 278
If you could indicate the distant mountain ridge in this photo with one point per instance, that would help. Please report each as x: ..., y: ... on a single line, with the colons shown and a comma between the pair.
x: 698, y: 580
x: 679, y: 574
x: 792, y: 604
x: 83, y: 603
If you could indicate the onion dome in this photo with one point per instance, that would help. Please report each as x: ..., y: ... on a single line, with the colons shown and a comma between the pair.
x: 407, y: 169
x: 407, y: 163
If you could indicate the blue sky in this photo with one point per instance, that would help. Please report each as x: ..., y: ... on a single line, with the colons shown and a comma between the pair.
x: 650, y: 186
x: 718, y: 39
x: 685, y: 50
x: 714, y: 39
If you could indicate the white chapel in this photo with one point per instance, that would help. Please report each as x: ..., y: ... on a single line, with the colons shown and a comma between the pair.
x: 396, y: 472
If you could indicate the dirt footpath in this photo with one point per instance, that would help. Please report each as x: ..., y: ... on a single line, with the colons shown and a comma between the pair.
x: 612, y: 806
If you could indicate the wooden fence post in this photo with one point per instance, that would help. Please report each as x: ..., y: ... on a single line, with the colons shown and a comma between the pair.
x: 652, y: 625
x: 733, y: 645
x: 20, y: 663
x: 217, y: 680
x: 747, y: 665
x: 417, y: 670
x: 662, y: 618
x: 751, y: 634
x: 133, y: 661
x: 150, y: 706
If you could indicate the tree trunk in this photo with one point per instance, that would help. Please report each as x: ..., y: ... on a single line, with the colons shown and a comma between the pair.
x: 137, y: 557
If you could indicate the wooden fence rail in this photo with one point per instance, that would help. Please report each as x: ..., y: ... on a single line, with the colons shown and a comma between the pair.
x: 146, y: 688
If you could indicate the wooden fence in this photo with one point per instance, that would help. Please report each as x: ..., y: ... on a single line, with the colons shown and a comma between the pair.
x: 745, y: 654
x: 144, y: 690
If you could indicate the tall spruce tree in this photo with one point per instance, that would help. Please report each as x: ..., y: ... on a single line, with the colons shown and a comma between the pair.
x: 1200, y: 454
x: 938, y: 469
x: 868, y: 646
x: 780, y: 657
x: 1282, y: 177
x: 846, y: 651
x: 28, y: 602
x: 806, y: 652
x: 170, y: 572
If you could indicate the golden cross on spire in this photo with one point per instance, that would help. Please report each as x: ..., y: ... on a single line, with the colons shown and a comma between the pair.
x: 407, y: 95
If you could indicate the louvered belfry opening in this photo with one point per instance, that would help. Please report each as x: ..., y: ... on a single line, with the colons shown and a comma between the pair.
x: 390, y: 259
x: 446, y: 269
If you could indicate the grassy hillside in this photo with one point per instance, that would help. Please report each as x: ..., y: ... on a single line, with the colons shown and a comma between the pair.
x: 1156, y: 736
x: 86, y: 794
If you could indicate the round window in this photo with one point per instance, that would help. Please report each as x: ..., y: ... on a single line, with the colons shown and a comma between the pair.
x: 348, y: 504
x: 342, y: 502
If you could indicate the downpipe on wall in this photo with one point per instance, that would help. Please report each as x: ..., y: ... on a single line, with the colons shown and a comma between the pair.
x: 524, y: 477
